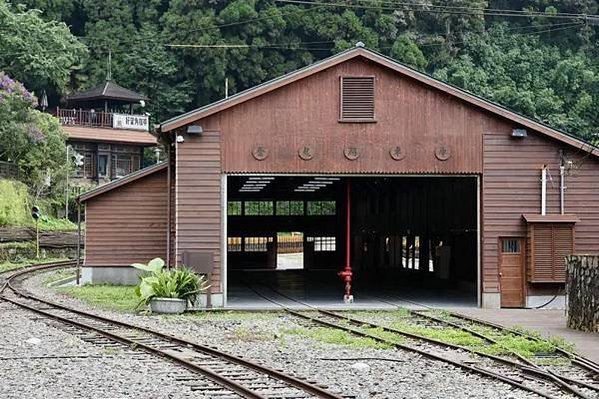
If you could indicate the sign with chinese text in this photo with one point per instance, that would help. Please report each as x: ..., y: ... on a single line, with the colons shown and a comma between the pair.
x: 132, y: 122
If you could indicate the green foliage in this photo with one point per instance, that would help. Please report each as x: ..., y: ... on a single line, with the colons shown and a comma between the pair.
x: 542, y: 67
x: 14, y: 204
x: 39, y: 52
x: 49, y: 223
x: 11, y: 265
x: 15, y: 209
x: 449, y: 335
x: 336, y: 337
x: 32, y: 140
x: 406, y: 50
x: 115, y: 297
x: 179, y: 283
x: 559, y: 87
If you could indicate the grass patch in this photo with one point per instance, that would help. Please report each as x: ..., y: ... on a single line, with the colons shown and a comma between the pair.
x: 8, y: 265
x: 448, y: 335
x: 215, y: 315
x: 48, y: 223
x: 510, y: 343
x: 114, y: 297
x: 336, y: 337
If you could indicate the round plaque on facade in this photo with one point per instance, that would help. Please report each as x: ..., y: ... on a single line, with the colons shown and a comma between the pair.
x: 306, y: 153
x: 351, y: 153
x: 260, y: 152
x: 397, y: 153
x: 442, y: 153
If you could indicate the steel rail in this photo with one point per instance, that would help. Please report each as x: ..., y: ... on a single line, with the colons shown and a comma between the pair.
x: 223, y: 381
x: 561, y: 381
x: 477, y: 370
x: 40, y: 266
x: 576, y: 358
x: 557, y: 378
x: 297, y: 383
x: 529, y: 367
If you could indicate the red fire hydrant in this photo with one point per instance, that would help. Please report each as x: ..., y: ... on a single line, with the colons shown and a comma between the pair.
x: 346, y: 276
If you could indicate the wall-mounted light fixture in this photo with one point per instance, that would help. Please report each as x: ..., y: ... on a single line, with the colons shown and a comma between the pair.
x: 519, y: 133
x: 194, y: 129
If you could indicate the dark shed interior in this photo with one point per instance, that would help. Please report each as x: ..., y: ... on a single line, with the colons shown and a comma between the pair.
x: 411, y: 237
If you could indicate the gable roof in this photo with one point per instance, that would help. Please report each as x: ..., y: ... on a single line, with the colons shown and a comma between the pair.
x: 107, y: 91
x: 387, y: 62
x: 131, y: 177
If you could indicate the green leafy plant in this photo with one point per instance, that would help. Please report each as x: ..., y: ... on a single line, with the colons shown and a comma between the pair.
x: 181, y: 283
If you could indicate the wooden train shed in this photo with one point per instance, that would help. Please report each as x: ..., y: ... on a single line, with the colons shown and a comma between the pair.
x: 357, y: 163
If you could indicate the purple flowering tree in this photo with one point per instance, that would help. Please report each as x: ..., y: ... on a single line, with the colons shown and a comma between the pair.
x: 29, y: 138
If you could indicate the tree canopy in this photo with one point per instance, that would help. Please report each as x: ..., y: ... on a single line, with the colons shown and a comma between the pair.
x: 537, y: 58
x: 42, y: 53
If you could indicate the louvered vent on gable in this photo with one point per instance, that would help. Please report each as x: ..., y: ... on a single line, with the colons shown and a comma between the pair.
x: 357, y: 98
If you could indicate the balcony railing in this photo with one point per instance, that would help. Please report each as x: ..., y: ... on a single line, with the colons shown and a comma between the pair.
x: 80, y: 117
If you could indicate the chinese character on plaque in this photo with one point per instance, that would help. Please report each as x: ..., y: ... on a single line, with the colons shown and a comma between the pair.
x: 351, y: 153
x: 442, y: 153
x: 306, y: 153
x: 260, y: 152
x: 397, y: 153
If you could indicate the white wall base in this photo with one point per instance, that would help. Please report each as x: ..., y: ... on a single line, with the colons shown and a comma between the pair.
x: 123, y: 275
x: 534, y: 301
x: 491, y: 300
x: 218, y: 301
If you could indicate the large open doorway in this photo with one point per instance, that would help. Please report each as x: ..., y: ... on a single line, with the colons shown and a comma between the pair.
x: 412, y: 239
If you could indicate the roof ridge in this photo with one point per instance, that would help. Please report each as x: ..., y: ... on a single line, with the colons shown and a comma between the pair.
x: 388, y: 62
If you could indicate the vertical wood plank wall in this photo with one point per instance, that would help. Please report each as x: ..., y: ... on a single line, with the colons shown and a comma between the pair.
x: 512, y: 187
x: 198, y: 199
x: 128, y: 224
x: 306, y: 113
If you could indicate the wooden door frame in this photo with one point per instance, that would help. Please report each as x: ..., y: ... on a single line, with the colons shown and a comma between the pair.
x: 522, y: 266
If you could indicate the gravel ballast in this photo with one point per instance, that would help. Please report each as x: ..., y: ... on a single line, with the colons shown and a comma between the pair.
x: 268, y: 338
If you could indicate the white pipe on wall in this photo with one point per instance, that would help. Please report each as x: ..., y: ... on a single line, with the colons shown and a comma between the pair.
x: 562, y: 188
x: 544, y: 190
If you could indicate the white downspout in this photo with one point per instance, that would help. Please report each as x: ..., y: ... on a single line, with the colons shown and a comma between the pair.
x: 562, y: 188
x: 544, y: 190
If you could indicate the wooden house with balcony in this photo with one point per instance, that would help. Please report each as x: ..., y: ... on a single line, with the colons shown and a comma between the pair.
x: 107, y: 125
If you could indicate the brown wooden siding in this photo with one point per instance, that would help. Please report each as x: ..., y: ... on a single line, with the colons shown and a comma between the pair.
x: 127, y: 224
x: 198, y: 199
x: 305, y: 113
x: 512, y: 187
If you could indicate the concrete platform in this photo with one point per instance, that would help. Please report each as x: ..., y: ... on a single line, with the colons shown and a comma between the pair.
x: 299, y: 289
x: 547, y: 322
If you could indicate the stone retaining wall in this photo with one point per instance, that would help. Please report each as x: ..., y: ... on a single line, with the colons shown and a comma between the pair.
x: 582, y: 290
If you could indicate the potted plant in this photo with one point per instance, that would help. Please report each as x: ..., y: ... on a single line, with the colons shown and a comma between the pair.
x: 168, y: 291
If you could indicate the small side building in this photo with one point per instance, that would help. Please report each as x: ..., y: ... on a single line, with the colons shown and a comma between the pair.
x: 125, y: 223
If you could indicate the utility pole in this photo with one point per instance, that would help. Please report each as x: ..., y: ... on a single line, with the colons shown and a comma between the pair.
x: 66, y: 195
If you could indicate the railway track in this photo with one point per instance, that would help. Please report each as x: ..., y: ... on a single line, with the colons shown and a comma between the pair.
x: 226, y: 376
x: 510, y: 368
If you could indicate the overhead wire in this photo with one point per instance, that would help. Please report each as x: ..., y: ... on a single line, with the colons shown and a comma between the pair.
x: 108, y: 43
x: 439, y: 10
x: 293, y: 45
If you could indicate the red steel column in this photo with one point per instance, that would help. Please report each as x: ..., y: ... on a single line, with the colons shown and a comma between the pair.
x: 346, y: 274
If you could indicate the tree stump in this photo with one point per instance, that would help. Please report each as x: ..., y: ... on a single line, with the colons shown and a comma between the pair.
x: 582, y: 290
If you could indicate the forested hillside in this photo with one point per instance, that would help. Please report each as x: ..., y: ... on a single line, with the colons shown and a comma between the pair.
x: 537, y: 57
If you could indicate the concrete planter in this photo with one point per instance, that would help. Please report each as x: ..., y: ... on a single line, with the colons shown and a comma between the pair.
x: 168, y: 305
